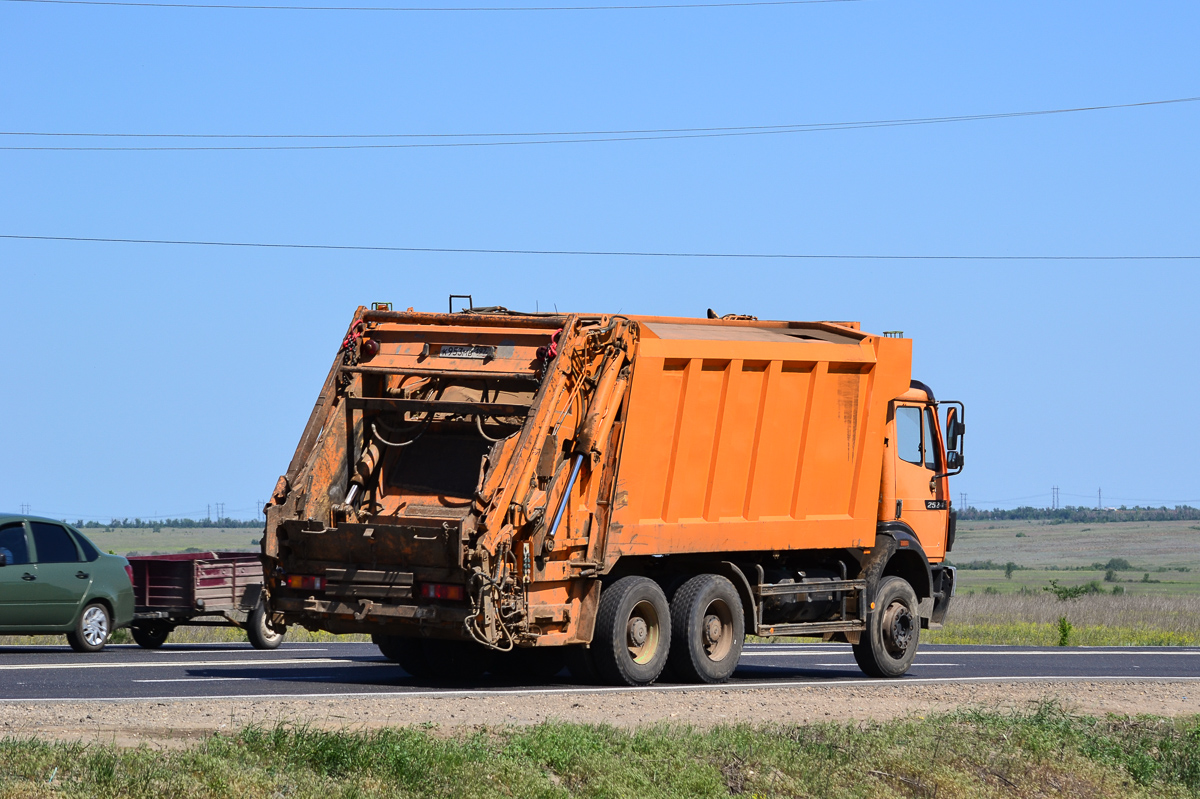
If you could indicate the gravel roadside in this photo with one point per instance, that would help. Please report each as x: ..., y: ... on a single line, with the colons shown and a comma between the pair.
x: 176, y: 722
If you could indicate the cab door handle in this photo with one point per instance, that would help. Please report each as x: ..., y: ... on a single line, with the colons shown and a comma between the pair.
x: 82, y: 575
x: 27, y: 577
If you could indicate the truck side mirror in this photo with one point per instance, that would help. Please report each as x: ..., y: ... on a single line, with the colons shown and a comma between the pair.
x: 3, y: 558
x: 954, y: 429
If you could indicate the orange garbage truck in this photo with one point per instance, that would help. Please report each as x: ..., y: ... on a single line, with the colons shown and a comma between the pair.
x: 492, y: 490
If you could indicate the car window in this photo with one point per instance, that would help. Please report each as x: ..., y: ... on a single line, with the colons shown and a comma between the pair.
x: 90, y: 552
x: 12, y: 541
x: 53, y: 543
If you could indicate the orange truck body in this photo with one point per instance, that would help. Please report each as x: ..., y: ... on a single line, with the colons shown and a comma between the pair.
x: 488, y: 476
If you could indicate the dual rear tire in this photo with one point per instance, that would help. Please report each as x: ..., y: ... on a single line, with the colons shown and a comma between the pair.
x: 638, y: 633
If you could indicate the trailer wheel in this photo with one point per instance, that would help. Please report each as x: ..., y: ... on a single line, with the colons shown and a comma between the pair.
x: 633, y: 632
x: 150, y: 636
x: 889, y: 644
x: 707, y: 629
x: 92, y: 629
x: 259, y: 630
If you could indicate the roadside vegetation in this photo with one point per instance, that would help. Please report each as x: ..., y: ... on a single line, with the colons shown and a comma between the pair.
x: 1095, y: 619
x: 975, y: 753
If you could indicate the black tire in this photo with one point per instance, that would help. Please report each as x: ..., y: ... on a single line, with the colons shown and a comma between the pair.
x: 408, y: 653
x: 582, y: 665
x: 889, y: 643
x: 459, y: 661
x: 150, y: 636
x: 92, y: 629
x: 633, y: 632
x: 259, y: 630
x: 707, y: 630
x: 534, y: 664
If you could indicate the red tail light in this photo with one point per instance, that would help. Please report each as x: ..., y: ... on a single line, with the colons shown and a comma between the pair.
x: 305, y: 582
x: 129, y: 571
x: 441, y: 591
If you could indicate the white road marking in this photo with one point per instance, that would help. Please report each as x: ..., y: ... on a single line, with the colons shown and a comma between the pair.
x: 200, y: 679
x: 736, y: 686
x: 164, y: 664
x: 959, y: 653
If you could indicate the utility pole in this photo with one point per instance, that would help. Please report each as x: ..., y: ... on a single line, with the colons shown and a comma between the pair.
x: 208, y: 512
x: 220, y: 511
x: 1099, y: 502
x: 24, y: 508
x: 962, y: 499
x: 1054, y: 501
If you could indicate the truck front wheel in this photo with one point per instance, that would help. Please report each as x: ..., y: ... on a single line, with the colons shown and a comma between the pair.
x: 889, y: 643
x: 633, y: 632
x: 707, y: 629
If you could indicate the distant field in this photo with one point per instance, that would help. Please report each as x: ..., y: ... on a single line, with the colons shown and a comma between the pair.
x: 1168, y: 551
x: 125, y: 541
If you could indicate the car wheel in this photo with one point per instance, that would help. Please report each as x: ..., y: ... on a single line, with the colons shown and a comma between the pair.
x: 150, y: 636
x: 92, y: 629
x: 259, y: 630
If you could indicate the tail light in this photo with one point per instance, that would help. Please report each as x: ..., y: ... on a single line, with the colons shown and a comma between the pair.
x: 441, y: 591
x: 129, y: 571
x: 305, y: 582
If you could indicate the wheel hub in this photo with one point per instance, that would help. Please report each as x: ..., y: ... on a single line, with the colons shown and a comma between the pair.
x: 898, y: 628
x: 638, y: 631
x: 713, y: 629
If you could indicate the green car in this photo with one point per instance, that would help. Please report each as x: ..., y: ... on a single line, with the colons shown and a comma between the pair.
x: 54, y: 580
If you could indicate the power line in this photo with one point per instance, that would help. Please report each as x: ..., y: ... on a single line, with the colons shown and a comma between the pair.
x: 237, y: 7
x: 611, y: 253
x: 578, y: 137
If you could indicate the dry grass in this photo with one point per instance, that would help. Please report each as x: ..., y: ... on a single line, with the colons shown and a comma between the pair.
x: 1097, y: 620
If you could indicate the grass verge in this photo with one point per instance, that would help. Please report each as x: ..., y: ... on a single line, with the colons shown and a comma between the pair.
x: 969, y: 753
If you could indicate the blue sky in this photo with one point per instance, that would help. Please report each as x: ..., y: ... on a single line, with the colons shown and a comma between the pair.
x: 154, y: 380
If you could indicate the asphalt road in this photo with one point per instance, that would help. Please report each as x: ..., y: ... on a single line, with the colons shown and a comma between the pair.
x: 193, y: 671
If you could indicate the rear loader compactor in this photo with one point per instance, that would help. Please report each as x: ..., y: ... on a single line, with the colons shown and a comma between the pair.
x: 489, y: 490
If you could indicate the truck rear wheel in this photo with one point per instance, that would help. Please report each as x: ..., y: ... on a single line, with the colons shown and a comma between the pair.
x: 707, y: 629
x: 889, y: 643
x: 633, y: 632
x: 405, y: 652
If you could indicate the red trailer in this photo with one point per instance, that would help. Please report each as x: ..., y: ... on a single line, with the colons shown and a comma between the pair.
x: 204, y: 589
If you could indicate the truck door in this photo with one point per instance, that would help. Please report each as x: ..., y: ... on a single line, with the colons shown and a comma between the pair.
x: 920, y: 499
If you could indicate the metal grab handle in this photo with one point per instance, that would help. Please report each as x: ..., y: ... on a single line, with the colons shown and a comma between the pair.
x: 82, y: 575
x: 28, y: 577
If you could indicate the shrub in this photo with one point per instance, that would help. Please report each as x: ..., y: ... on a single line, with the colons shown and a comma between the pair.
x: 1064, y: 631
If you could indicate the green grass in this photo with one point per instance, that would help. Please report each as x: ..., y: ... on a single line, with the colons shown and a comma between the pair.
x: 145, y: 541
x: 977, y: 753
x: 1027, y: 633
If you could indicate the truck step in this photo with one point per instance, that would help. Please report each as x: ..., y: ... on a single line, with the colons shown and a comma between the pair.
x: 814, y: 587
x: 811, y: 628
